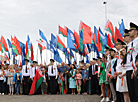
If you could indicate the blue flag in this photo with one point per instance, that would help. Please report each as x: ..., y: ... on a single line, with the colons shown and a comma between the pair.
x: 87, y: 59
x: 122, y: 27
x: 53, y: 40
x: 104, y: 37
x: 96, y: 33
x: 57, y: 57
x: 28, y: 42
x: 23, y: 46
x: 93, y: 46
x: 69, y: 41
x: 9, y: 55
x: 42, y: 35
x: 9, y: 43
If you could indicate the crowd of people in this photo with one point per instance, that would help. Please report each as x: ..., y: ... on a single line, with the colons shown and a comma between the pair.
x: 114, y: 76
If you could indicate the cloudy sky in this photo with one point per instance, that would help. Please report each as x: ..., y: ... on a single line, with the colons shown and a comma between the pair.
x: 26, y: 17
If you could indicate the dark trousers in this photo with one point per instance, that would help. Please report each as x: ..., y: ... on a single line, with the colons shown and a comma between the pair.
x: 94, y: 85
x: 130, y: 84
x: 85, y: 84
x: 1, y: 86
x: 52, y: 85
x: 120, y: 97
x: 26, y: 85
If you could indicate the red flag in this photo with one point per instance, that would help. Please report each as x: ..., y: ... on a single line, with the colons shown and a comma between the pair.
x: 86, y: 38
x: 109, y: 42
x: 4, y: 43
x: 77, y: 39
x: 17, y: 45
x: 117, y: 35
x: 32, y: 53
x: 62, y: 31
x: 27, y: 53
x: 59, y: 41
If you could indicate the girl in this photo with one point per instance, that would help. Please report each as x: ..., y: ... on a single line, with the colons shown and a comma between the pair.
x: 122, y: 76
x: 10, y: 82
x: 78, y: 80
x: 60, y: 80
x: 72, y: 82
x: 85, y: 79
x: 2, y: 78
x: 103, y: 81
x: 89, y: 81
x: 17, y: 81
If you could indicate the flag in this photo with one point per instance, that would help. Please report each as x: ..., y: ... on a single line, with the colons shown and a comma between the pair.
x: 60, y: 44
x: 86, y: 38
x: 42, y: 35
x: 27, y: 52
x: 86, y: 27
x: 28, y: 42
x: 109, y: 28
x: 100, y: 43
x: 41, y: 48
x: 23, y: 46
x: 54, y: 40
x: 104, y: 37
x: 41, y: 41
x: 96, y: 33
x: 1, y: 48
x: 69, y: 41
x: 57, y: 57
x: 109, y: 42
x: 3, y: 42
x: 14, y: 47
x: 117, y: 35
x: 17, y: 45
x: 87, y: 59
x: 32, y: 52
x: 6, y: 57
x: 9, y: 55
x: 62, y: 31
x: 38, y: 79
x: 71, y: 34
x: 122, y: 27
x: 78, y: 40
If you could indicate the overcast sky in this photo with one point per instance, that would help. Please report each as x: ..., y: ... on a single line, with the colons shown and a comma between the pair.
x: 26, y: 17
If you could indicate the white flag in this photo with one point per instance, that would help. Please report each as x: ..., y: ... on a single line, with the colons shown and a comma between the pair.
x: 41, y: 41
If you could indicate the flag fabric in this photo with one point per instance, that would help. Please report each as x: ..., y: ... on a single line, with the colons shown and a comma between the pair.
x: 17, y: 45
x: 32, y: 52
x: 41, y: 41
x: 3, y: 42
x: 27, y: 52
x: 87, y: 59
x: 9, y: 55
x: 23, y: 46
x: 78, y: 40
x: 14, y: 47
x: 41, y: 48
x: 96, y: 33
x: 109, y: 28
x: 9, y: 43
x: 42, y: 35
x: 71, y: 34
x: 69, y: 41
x: 122, y: 27
x: 1, y: 48
x: 60, y: 45
x: 117, y: 35
x: 62, y: 31
x: 28, y: 42
x: 86, y: 38
x: 86, y: 27
x: 104, y: 37
x: 6, y: 57
x: 54, y: 40
x: 100, y: 43
x: 57, y: 57
x: 109, y: 42
x: 38, y: 79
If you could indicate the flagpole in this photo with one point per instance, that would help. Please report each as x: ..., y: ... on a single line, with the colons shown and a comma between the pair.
x: 37, y: 54
x: 41, y: 57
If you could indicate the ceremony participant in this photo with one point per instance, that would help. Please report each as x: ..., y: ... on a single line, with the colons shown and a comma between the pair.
x: 132, y: 81
x: 2, y: 78
x: 89, y: 81
x: 52, y: 76
x: 44, y: 84
x: 72, y: 81
x: 60, y: 78
x: 112, y: 82
x: 85, y: 76
x: 10, y: 81
x: 38, y: 91
x: 78, y: 80
x: 64, y: 69
x: 103, y: 80
x: 122, y: 76
x: 119, y: 46
x: 26, y: 75
x: 93, y: 77
x: 17, y: 81
x: 21, y: 85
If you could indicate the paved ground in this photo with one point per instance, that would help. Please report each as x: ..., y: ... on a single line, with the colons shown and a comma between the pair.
x: 50, y: 98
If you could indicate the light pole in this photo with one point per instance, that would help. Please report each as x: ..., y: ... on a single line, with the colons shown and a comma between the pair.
x: 105, y: 11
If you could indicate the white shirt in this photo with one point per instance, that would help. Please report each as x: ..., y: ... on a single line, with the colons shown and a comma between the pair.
x: 29, y: 71
x: 128, y: 64
x: 33, y: 71
x: 55, y: 72
x: 2, y: 77
x: 135, y: 52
